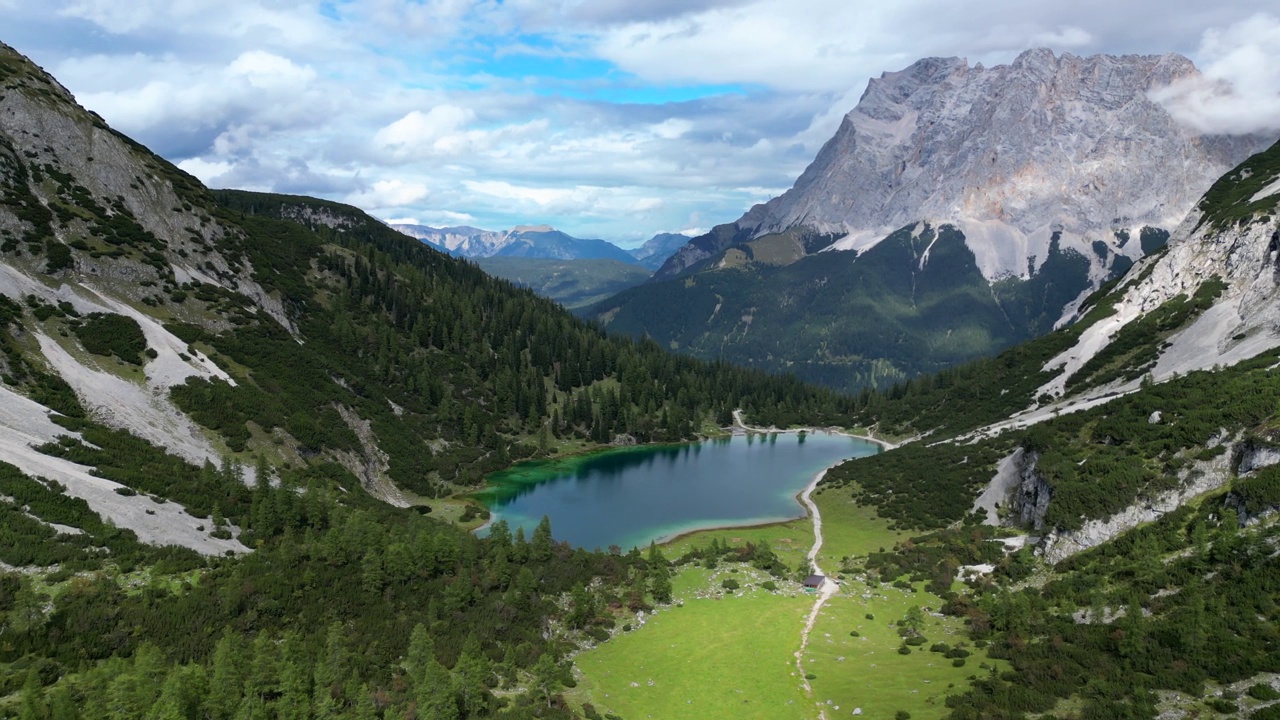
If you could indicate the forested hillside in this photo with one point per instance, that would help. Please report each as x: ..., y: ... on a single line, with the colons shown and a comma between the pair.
x: 914, y: 304
x: 213, y: 403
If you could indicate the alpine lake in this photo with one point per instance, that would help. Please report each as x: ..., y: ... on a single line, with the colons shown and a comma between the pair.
x: 628, y: 497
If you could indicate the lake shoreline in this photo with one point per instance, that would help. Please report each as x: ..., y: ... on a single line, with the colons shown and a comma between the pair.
x: 740, y: 426
x: 529, y: 473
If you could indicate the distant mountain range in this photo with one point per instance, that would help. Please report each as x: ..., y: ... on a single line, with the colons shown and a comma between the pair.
x: 958, y: 210
x: 540, y: 241
x: 574, y: 272
x: 655, y: 251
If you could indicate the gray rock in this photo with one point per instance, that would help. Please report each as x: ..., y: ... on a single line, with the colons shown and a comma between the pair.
x: 1009, y: 155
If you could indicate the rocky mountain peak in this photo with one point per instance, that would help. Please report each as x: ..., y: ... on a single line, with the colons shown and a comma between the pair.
x: 1009, y: 155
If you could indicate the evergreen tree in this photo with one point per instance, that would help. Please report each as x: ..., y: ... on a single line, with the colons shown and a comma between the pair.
x: 227, y: 681
x: 472, y: 675
x: 659, y: 575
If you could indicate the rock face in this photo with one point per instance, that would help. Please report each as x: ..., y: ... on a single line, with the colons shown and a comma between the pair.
x: 1201, y: 478
x: 1254, y: 455
x: 1032, y: 496
x: 1008, y: 155
x: 1232, y: 236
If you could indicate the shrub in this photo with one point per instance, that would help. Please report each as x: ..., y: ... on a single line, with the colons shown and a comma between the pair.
x: 110, y: 334
x: 854, y: 633
x: 904, y: 650
x: 869, y: 616
x: 902, y: 715
x: 1263, y: 691
x: 769, y: 585
x: 916, y: 641
x: 1221, y: 705
x: 958, y: 662
x: 730, y: 584
x: 810, y: 676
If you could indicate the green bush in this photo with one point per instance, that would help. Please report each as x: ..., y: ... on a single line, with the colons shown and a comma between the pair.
x: 730, y: 584
x: 1263, y: 691
x: 110, y: 334
x: 1221, y: 705
x: 904, y: 650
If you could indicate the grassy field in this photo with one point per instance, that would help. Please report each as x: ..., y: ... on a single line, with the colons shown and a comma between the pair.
x: 789, y: 540
x: 849, y: 529
x: 718, y: 656
x: 867, y: 672
x: 733, y: 655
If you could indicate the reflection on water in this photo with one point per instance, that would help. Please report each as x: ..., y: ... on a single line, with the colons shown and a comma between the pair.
x: 631, y: 496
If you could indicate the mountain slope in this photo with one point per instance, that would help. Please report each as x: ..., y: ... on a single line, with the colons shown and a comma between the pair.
x: 655, y: 251
x: 572, y: 283
x: 227, y: 327
x: 1054, y: 172
x: 1126, y: 470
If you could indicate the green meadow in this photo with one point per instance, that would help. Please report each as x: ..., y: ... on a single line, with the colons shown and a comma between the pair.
x: 714, y: 654
x: 721, y: 655
x: 866, y: 671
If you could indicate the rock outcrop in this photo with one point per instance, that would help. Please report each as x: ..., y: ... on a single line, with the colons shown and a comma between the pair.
x: 1033, y: 494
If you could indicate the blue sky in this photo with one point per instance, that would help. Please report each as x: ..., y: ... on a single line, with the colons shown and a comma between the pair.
x: 605, y: 118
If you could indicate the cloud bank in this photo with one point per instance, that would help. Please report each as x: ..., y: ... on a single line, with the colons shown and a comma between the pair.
x: 1239, y: 90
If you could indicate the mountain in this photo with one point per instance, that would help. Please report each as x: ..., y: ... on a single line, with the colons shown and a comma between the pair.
x: 572, y: 283
x: 214, y: 403
x: 150, y: 318
x: 216, y: 409
x: 533, y: 241
x: 957, y: 210
x: 1126, y: 470
x: 655, y: 251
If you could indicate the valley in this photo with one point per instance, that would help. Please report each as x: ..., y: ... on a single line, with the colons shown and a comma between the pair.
x: 926, y: 436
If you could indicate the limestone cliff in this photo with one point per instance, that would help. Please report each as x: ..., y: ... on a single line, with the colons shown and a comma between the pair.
x: 1008, y: 155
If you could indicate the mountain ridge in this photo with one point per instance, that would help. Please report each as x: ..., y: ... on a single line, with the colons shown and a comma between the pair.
x: 1057, y: 172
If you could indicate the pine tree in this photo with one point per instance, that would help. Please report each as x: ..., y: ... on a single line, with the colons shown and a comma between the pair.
x: 541, y: 544
x: 546, y: 679
x: 32, y: 707
x: 659, y: 576
x: 471, y: 678
x: 227, y: 681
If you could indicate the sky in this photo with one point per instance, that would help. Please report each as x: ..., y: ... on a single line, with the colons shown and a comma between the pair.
x: 615, y: 119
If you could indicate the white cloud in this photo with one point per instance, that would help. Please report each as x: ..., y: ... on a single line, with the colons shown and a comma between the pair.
x: 1066, y: 37
x: 1239, y: 91
x: 414, y: 108
x: 436, y: 130
x: 390, y: 194
x: 208, y: 172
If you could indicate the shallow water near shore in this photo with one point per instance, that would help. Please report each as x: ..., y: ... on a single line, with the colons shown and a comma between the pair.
x: 631, y: 496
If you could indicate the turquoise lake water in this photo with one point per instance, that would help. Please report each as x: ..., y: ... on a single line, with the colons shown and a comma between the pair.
x: 631, y: 496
